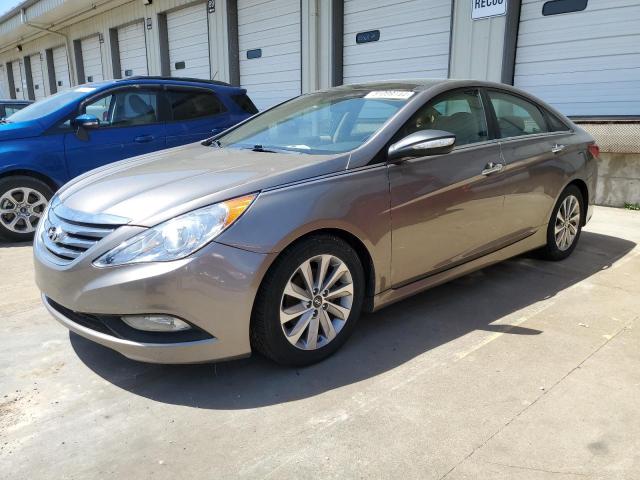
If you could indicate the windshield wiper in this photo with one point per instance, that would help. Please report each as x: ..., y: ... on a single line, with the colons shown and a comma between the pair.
x: 260, y: 148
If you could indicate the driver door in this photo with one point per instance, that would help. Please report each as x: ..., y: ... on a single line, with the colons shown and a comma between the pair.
x: 130, y: 125
x: 447, y: 209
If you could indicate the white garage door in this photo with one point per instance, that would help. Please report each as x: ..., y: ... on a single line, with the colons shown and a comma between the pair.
x: 584, y: 62
x: 61, y: 68
x: 270, y: 50
x: 18, y: 84
x: 92, y: 59
x: 385, y: 40
x: 37, y: 77
x: 4, y: 83
x: 188, y: 31
x: 133, y: 50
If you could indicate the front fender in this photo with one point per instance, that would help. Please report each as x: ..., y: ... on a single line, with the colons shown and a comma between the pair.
x: 353, y: 201
x: 43, y: 156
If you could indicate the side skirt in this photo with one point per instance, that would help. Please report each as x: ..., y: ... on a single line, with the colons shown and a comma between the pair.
x: 393, y: 295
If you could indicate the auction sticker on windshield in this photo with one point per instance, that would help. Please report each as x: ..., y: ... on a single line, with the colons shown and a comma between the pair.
x: 389, y: 94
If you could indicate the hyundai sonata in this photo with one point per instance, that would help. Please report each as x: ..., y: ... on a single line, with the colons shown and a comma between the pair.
x: 275, y: 235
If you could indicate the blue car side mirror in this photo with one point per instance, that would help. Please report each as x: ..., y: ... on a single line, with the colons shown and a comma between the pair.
x: 86, y: 121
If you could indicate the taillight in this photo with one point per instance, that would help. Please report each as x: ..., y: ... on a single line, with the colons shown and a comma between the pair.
x: 594, y: 150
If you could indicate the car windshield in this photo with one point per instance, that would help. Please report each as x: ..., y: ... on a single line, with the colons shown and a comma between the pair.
x: 321, y: 123
x: 48, y: 105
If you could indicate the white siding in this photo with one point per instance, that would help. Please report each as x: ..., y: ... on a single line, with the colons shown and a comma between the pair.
x: 92, y: 59
x: 4, y: 83
x: 37, y: 77
x: 188, y: 32
x: 61, y: 68
x: 133, y: 50
x: 18, y: 84
x: 583, y: 63
x: 414, y: 39
x: 273, y: 26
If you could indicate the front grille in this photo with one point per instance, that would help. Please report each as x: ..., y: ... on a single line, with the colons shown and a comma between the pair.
x: 66, y: 239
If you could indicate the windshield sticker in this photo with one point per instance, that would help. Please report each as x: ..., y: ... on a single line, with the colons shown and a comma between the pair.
x: 84, y: 89
x: 390, y: 94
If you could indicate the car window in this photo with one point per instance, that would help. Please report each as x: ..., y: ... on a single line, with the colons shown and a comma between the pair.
x: 555, y: 124
x: 459, y: 112
x: 187, y: 105
x: 320, y: 123
x: 125, y: 108
x: 245, y: 103
x: 516, y: 116
x: 11, y: 109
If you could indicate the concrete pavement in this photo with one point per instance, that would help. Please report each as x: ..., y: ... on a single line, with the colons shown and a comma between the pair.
x: 525, y: 370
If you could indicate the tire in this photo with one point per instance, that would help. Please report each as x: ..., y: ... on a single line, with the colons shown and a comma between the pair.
x: 294, y: 342
x: 557, y: 247
x: 24, y: 198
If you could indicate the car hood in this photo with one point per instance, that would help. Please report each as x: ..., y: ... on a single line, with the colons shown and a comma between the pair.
x: 149, y: 189
x: 16, y: 131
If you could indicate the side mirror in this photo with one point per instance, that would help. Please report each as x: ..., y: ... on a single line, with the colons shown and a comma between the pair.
x: 422, y: 144
x: 86, y: 121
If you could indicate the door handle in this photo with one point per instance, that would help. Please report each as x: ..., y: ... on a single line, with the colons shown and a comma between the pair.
x: 491, y: 167
x: 558, y: 148
x: 143, y: 139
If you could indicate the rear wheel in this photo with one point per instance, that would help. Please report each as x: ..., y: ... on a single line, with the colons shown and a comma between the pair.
x: 565, y: 225
x: 22, y: 203
x: 309, y: 302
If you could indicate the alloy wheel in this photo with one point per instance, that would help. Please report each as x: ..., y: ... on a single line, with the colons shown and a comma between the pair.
x: 21, y: 209
x: 316, y: 302
x: 567, y: 223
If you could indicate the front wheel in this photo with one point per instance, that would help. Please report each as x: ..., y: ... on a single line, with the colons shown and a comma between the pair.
x: 22, y: 203
x: 309, y: 302
x: 565, y: 225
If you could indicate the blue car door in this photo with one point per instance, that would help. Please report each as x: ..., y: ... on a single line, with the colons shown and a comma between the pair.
x: 131, y: 123
x: 197, y: 113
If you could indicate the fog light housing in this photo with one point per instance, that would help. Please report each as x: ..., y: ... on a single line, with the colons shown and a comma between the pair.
x: 156, y: 323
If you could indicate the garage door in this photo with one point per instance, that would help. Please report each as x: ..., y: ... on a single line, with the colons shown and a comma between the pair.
x: 18, y: 72
x: 132, y: 46
x: 270, y: 50
x: 384, y: 40
x: 188, y: 32
x: 61, y: 68
x: 4, y: 83
x: 37, y: 77
x: 583, y: 62
x: 92, y: 59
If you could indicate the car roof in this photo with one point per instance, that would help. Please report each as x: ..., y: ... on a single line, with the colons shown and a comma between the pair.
x: 14, y: 101
x: 161, y: 80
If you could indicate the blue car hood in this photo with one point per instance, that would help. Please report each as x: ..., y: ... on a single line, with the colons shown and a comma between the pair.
x: 16, y: 131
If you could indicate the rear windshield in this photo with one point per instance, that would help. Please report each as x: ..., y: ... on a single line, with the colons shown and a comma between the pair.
x: 331, y: 122
x: 245, y: 103
x: 49, y: 105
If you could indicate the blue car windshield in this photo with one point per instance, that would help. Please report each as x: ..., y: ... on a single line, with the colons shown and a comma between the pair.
x: 330, y: 122
x: 48, y: 105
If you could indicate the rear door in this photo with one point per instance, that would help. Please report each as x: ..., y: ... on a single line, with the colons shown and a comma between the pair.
x: 447, y: 209
x: 535, y: 150
x: 131, y: 124
x: 92, y: 59
x: 37, y: 77
x: 197, y: 113
x: 61, y: 68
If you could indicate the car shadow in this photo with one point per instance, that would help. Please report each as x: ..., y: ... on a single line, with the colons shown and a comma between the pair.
x: 383, y: 340
x: 5, y: 244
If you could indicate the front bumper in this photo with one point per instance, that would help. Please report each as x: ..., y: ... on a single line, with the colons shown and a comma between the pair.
x: 214, y: 290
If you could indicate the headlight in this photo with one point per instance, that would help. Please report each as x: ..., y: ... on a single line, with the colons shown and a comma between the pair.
x: 179, y: 237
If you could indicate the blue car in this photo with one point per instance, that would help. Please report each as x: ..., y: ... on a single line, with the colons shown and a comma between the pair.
x: 58, y: 138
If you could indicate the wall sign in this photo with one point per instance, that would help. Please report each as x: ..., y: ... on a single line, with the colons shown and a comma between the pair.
x: 366, y: 37
x: 211, y: 6
x: 488, y: 8
x: 149, y: 23
x: 255, y: 53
